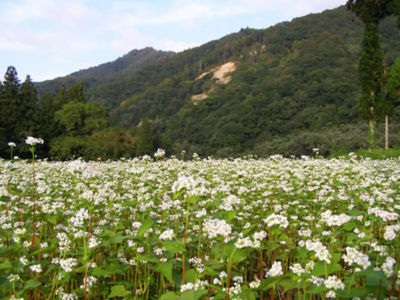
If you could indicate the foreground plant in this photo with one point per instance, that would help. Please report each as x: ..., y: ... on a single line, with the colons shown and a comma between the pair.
x: 169, y: 229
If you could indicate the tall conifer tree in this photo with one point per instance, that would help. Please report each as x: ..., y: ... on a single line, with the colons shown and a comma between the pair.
x: 371, y: 69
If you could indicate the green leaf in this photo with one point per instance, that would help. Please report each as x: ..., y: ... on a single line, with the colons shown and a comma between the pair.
x: 145, y: 226
x: 193, y: 199
x: 376, y: 279
x: 269, y: 283
x: 118, y: 291
x: 190, y: 276
x: 99, y: 272
x: 5, y: 265
x: 318, y: 289
x: 51, y: 219
x: 288, y: 284
x: 349, y: 226
x: 31, y: 284
x: 322, y: 268
x: 240, y: 255
x: 166, y: 270
x: 117, y: 239
x: 174, y: 246
x: 229, y: 215
x: 248, y: 295
x: 193, y: 295
x: 169, y: 296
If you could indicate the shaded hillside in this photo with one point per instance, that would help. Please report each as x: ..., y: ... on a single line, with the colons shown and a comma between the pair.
x: 102, y: 83
x: 293, y: 79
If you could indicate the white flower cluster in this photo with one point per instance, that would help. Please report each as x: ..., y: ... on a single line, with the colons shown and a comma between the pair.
x: 11, y: 144
x: 93, y: 243
x: 194, y: 286
x: 36, y: 268
x: 332, y: 282
x: 255, y: 284
x: 383, y: 214
x: 63, y: 241
x: 321, y: 252
x: 275, y: 219
x: 229, y: 202
x: 388, y: 265
x: 167, y: 234
x: 79, y: 218
x: 33, y: 141
x: 391, y: 232
x: 184, y: 182
x: 90, y: 281
x: 13, y: 277
x: 215, y: 227
x: 298, y: 269
x: 276, y: 270
x: 353, y: 256
x: 334, y: 220
x: 159, y: 153
x: 68, y: 264
x: 197, y: 262
x: 247, y: 242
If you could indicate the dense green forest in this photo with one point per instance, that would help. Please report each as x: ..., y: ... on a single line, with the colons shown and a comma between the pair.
x: 294, y: 87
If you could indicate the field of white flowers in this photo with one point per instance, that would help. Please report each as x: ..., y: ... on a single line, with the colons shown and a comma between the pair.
x: 224, y: 229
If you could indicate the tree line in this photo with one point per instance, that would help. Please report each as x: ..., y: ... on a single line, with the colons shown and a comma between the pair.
x: 71, y: 126
x: 379, y: 91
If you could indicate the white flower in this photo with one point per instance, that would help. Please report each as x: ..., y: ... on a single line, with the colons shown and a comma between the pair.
x: 23, y: 260
x: 332, y: 282
x: 11, y: 144
x: 36, y: 268
x: 275, y: 219
x: 387, y: 266
x: 276, y: 270
x: 255, y: 284
x: 331, y: 295
x: 167, y: 235
x: 214, y: 227
x: 187, y: 286
x: 68, y: 264
x: 93, y: 243
x: 297, y: 269
x: 354, y: 256
x: 13, y: 277
x: 160, y: 153
x: 33, y: 141
x: 243, y: 243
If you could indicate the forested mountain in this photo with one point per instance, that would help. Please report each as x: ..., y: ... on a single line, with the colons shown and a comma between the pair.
x: 104, y: 84
x: 285, y: 89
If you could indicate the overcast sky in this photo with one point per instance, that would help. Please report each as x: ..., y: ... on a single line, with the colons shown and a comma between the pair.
x: 51, y: 38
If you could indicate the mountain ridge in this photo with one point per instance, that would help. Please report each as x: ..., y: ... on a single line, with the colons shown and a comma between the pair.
x: 291, y: 78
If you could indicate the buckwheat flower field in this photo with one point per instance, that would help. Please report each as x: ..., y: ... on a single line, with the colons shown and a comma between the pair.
x: 271, y: 228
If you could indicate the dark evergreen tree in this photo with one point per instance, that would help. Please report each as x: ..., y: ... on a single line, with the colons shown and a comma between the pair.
x: 371, y: 69
x: 145, y: 139
x: 28, y: 109
x: 76, y: 93
x: 60, y: 98
x: 48, y: 128
x: 9, y: 108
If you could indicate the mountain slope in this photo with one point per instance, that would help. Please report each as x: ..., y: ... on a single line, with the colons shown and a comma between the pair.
x: 293, y: 79
x: 106, y: 75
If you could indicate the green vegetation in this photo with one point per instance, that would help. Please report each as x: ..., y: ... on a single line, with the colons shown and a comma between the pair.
x: 294, y: 87
x: 272, y: 228
x: 293, y: 79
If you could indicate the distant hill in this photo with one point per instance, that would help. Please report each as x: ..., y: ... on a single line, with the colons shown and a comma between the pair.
x: 283, y: 89
x: 105, y: 75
